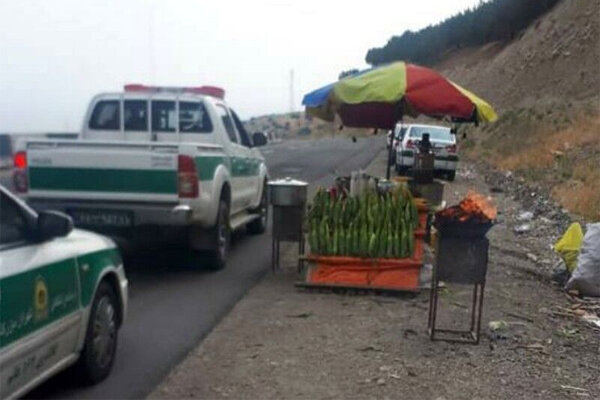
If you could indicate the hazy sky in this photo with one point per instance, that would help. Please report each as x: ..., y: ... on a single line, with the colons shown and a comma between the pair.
x: 56, y: 54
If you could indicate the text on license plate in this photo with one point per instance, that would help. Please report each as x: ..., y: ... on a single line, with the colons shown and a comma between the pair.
x: 101, y: 218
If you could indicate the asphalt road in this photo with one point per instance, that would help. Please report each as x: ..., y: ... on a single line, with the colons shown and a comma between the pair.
x: 172, y: 308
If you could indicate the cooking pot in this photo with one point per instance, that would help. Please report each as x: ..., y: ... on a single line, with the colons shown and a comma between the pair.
x: 288, y: 192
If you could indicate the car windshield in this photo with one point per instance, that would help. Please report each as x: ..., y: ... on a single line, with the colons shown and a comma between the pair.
x: 435, y: 132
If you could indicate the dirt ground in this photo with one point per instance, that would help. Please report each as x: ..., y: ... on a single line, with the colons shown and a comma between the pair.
x: 283, y: 342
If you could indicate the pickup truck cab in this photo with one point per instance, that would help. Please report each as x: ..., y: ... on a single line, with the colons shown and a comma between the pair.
x: 153, y: 163
x: 63, y: 297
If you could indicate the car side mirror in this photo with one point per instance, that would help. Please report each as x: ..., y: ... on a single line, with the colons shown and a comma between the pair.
x: 259, y: 139
x: 52, y: 224
x: 453, y: 130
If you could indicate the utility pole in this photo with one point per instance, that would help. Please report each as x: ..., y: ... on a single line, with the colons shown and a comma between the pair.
x: 292, y: 90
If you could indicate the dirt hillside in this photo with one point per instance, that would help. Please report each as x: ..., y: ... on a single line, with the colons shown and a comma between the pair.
x: 546, y: 87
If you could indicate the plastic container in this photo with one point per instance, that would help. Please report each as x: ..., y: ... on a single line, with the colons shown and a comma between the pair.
x: 381, y: 273
x: 370, y: 273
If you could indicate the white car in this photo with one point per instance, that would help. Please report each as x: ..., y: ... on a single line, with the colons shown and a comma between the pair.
x: 444, y: 147
x: 63, y: 297
x: 154, y: 164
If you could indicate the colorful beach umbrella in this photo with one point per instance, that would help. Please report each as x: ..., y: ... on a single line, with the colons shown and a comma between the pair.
x: 382, y: 96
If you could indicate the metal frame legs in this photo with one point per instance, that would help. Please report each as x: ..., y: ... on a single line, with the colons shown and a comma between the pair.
x: 275, y: 254
x: 470, y: 336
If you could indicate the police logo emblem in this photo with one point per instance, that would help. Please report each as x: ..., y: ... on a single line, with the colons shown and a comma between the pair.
x: 40, y: 299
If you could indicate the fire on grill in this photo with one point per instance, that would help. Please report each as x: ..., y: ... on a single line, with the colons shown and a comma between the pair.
x: 474, y: 208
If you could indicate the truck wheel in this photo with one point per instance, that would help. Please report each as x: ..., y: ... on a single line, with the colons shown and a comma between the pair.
x: 451, y: 175
x: 259, y: 225
x: 100, y: 343
x: 222, y: 232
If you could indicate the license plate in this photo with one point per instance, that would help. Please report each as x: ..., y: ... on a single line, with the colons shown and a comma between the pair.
x: 112, y: 218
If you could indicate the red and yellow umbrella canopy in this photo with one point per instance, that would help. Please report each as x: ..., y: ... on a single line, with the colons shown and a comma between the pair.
x: 379, y: 97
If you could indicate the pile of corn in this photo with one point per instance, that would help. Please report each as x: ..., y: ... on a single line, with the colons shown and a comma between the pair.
x: 366, y: 226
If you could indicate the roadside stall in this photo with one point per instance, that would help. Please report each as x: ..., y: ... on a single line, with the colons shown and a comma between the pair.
x: 373, y: 237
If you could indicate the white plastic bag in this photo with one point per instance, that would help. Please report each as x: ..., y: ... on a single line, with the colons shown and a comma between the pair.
x: 586, y: 277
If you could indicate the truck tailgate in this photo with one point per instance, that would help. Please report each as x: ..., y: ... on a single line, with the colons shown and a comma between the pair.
x: 123, y: 171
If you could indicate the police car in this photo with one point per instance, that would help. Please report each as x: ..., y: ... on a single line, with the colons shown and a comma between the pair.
x: 154, y: 163
x: 63, y: 297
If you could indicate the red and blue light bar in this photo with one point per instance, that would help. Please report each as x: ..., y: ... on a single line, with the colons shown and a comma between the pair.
x: 213, y: 91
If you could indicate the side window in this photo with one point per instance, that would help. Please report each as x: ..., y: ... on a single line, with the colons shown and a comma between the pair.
x: 163, y: 116
x: 244, y: 137
x: 193, y: 118
x: 136, y: 115
x: 13, y: 226
x: 222, y: 111
x: 106, y: 116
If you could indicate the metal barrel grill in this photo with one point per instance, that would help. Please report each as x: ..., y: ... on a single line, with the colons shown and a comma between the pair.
x: 461, y: 256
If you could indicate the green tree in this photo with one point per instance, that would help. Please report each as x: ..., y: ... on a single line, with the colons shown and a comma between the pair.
x: 489, y: 21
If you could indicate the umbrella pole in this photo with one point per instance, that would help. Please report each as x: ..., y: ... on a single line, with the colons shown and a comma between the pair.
x: 391, y: 149
x: 389, y: 159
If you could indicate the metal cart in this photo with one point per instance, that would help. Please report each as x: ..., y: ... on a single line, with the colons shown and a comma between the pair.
x: 288, y: 198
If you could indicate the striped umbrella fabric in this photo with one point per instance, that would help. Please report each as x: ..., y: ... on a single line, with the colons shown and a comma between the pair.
x: 380, y: 97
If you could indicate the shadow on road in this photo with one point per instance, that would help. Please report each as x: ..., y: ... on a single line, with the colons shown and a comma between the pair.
x: 148, y: 269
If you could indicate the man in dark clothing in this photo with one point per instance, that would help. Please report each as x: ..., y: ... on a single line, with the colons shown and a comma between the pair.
x: 425, y: 145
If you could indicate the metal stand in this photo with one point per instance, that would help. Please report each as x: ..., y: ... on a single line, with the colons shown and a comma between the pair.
x: 458, y: 335
x: 275, y: 254
x: 433, y: 192
x: 287, y: 227
x: 423, y: 168
x: 459, y: 260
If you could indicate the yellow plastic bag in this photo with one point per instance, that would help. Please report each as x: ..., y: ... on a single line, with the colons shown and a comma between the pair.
x: 569, y: 244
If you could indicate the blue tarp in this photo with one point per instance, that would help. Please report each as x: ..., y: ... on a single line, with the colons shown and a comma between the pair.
x: 318, y: 97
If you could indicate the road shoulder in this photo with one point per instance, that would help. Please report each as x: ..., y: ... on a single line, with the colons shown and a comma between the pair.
x: 282, y: 342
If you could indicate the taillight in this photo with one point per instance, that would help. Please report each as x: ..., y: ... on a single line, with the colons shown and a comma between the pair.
x: 187, y: 177
x: 451, y: 148
x: 20, y: 172
x: 20, y: 160
x: 410, y: 144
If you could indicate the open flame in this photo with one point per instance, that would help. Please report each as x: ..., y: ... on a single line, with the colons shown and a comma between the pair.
x: 474, y: 207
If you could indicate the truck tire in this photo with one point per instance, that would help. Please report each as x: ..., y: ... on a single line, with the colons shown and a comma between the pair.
x: 451, y: 176
x: 222, y: 238
x: 259, y: 225
x: 100, y: 344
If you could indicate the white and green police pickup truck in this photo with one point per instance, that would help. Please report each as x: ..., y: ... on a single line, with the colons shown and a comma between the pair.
x: 153, y: 163
x: 63, y: 297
